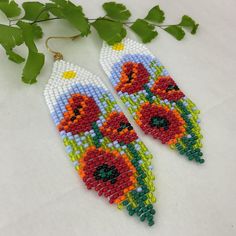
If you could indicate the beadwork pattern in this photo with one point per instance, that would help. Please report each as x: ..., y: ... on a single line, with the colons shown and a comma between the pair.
x: 153, y: 98
x: 100, y: 141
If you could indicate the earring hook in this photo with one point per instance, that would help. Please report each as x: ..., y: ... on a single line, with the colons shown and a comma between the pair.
x: 58, y: 55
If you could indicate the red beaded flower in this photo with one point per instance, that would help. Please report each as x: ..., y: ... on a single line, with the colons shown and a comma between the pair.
x: 133, y: 77
x: 81, y: 112
x: 161, y: 122
x: 107, y: 172
x: 166, y: 88
x: 118, y: 128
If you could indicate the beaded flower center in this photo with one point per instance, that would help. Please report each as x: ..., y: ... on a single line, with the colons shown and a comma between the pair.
x: 76, y: 112
x: 123, y: 126
x: 159, y: 122
x: 106, y: 173
x: 172, y: 87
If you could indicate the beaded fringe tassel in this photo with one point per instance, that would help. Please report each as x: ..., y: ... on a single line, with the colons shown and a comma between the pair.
x: 100, y: 141
x: 153, y: 98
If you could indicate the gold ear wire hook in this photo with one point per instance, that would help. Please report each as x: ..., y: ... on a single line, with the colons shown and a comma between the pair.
x: 58, y: 55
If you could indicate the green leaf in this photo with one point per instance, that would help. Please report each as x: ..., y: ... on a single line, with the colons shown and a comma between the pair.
x: 110, y: 31
x: 32, y: 67
x: 10, y: 9
x: 28, y: 35
x: 73, y: 14
x: 63, y: 3
x: 116, y: 11
x: 33, y: 10
x: 189, y: 23
x: 35, y: 60
x: 76, y: 17
x: 175, y: 31
x: 37, y: 31
x: 14, y: 56
x: 9, y: 38
x: 51, y: 7
x: 195, y: 28
x: 144, y: 30
x: 156, y: 15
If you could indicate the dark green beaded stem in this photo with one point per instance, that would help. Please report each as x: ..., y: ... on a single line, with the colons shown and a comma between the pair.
x: 150, y: 94
x: 144, y: 212
x: 189, y: 150
x: 97, y: 136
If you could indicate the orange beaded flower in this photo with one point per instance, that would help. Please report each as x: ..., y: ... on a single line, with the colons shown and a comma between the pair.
x: 166, y: 88
x: 133, y: 77
x: 118, y: 128
x: 81, y: 112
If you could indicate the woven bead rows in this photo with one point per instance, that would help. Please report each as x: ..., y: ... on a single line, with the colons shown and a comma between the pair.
x: 153, y: 98
x: 100, y: 141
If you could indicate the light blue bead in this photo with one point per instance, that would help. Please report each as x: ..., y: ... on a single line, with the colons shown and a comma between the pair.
x: 139, y: 189
x: 68, y: 149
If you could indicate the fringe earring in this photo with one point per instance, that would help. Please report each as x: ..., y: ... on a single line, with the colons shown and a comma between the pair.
x: 153, y: 98
x: 101, y: 143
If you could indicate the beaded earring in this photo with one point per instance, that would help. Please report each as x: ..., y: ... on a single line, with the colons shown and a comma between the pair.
x: 101, y: 143
x: 153, y: 98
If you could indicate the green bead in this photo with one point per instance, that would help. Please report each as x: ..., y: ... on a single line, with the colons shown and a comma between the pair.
x: 149, y: 207
x: 129, y: 208
x: 144, y: 198
x: 125, y: 203
x: 150, y: 223
x: 139, y: 213
x: 131, y: 212
x: 190, y: 158
x: 201, y: 161
x: 153, y: 212
x: 143, y: 217
x: 149, y: 217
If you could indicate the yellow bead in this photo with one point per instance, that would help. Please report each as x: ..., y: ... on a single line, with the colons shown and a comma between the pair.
x: 118, y: 46
x: 70, y: 74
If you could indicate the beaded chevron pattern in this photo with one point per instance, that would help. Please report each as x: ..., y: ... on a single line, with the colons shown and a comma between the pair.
x: 153, y: 98
x: 100, y: 141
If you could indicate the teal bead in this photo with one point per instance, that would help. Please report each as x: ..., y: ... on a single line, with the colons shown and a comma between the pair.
x: 131, y: 212
x: 125, y: 203
x: 143, y: 217
x: 151, y: 223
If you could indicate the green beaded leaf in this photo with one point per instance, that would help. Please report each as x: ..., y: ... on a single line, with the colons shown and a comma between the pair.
x: 10, y: 9
x: 35, y: 60
x: 144, y: 30
x: 175, y: 31
x: 188, y: 23
x: 110, y: 31
x: 156, y: 15
x: 9, y: 38
x: 35, y: 10
x: 72, y: 13
x: 116, y: 11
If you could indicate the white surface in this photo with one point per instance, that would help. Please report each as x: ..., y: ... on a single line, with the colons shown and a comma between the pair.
x: 42, y: 195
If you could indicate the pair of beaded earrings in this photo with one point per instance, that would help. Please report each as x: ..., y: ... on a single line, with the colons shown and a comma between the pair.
x: 103, y: 146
